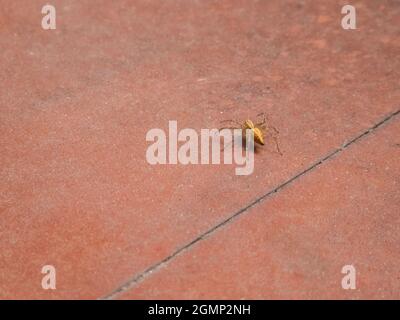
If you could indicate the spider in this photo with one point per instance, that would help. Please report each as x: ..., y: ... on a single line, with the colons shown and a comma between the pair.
x: 260, y: 130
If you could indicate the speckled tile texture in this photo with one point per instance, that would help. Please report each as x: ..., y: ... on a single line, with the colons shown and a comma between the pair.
x: 76, y: 191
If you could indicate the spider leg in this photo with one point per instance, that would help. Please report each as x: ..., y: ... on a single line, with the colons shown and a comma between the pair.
x: 273, y: 133
x: 261, y: 126
x: 230, y: 128
x: 277, y: 145
x: 275, y: 129
x: 265, y: 126
x: 264, y: 118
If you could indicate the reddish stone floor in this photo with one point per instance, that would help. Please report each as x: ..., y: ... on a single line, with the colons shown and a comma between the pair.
x: 77, y: 193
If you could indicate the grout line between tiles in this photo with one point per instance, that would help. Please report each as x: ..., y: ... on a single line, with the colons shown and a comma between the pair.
x: 141, y: 276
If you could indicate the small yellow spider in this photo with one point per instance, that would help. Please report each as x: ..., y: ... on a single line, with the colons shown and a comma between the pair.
x: 259, y: 130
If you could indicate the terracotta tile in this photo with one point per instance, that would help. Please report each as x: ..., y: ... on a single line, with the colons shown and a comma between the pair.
x: 295, y: 243
x: 76, y: 190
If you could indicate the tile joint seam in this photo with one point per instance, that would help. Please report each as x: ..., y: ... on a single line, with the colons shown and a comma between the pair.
x: 141, y: 276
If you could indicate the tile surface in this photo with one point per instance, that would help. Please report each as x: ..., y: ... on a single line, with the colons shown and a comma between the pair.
x: 76, y: 190
x: 295, y: 243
